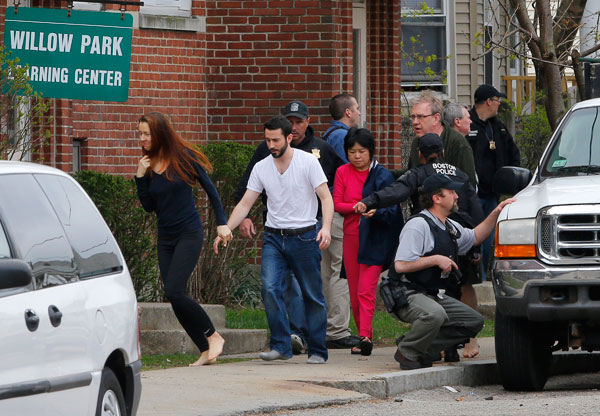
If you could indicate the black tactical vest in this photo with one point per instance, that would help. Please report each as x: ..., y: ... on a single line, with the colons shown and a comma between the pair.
x: 429, y: 280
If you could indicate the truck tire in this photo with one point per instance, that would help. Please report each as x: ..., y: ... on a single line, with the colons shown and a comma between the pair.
x: 524, y: 356
x: 110, y: 396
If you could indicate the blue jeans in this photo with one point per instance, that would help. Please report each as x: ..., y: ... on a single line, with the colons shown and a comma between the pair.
x: 488, y: 205
x: 300, y: 255
x: 294, y: 304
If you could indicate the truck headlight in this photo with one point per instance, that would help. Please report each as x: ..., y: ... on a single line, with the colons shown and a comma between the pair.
x: 515, y: 238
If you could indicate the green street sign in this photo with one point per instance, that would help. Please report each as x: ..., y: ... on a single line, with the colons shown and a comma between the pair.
x: 86, y: 56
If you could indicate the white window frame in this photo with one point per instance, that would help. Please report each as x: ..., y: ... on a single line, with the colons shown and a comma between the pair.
x: 444, y: 13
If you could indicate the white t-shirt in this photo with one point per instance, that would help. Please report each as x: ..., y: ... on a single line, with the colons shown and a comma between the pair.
x: 291, y: 198
x: 416, y: 238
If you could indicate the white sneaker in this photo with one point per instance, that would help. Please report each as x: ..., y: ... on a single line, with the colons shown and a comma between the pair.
x: 315, y: 359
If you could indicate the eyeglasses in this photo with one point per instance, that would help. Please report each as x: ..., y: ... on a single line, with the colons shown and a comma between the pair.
x: 494, y: 99
x: 421, y: 116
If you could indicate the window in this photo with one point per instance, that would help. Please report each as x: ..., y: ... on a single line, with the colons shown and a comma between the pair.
x: 424, y: 34
x: 181, y: 8
x: 95, y: 250
x: 77, y: 146
x: 4, y: 247
x: 35, y: 231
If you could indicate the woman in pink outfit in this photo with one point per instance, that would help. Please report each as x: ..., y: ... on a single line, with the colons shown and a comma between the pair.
x: 370, y: 239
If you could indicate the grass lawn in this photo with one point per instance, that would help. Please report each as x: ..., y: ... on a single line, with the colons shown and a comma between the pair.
x: 385, y: 328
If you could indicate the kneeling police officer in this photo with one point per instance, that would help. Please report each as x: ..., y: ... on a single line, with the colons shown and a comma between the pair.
x: 430, y: 243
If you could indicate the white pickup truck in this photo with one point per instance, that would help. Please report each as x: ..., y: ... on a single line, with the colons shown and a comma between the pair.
x: 546, y: 273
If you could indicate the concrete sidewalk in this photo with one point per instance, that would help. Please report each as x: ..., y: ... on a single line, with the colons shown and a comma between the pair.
x: 256, y: 385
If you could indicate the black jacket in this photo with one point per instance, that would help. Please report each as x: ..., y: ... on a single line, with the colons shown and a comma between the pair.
x: 328, y: 159
x: 488, y: 160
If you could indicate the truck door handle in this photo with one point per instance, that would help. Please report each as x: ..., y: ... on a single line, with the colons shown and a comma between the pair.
x: 55, y: 315
x: 31, y: 320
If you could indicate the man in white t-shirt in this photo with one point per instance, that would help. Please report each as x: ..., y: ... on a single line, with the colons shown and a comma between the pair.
x: 292, y: 180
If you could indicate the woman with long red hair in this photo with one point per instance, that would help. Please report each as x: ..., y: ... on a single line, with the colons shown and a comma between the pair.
x: 165, y: 177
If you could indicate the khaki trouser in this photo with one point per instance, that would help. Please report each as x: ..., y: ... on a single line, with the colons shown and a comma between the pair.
x: 437, y: 324
x: 335, y: 289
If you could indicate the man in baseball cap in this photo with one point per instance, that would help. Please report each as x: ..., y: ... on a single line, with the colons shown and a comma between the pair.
x: 493, y: 147
x: 430, y: 143
x: 430, y: 243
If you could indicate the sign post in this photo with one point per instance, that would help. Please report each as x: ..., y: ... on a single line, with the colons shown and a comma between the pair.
x: 86, y: 56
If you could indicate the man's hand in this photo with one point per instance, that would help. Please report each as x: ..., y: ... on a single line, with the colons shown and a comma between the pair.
x: 445, y: 263
x: 224, y: 233
x: 143, y: 166
x: 324, y: 237
x: 369, y: 214
x: 247, y: 228
x: 504, y: 203
x: 360, y: 207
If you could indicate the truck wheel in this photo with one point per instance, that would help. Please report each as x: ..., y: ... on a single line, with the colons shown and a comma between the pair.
x: 110, y: 397
x: 523, y: 357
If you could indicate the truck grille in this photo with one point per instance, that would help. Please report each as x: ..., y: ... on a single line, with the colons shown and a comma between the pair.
x: 570, y: 234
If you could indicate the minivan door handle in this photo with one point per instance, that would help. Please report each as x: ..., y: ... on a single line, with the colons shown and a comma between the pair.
x: 55, y: 315
x: 31, y: 320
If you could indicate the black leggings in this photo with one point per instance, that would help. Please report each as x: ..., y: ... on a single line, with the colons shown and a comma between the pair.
x: 177, y: 257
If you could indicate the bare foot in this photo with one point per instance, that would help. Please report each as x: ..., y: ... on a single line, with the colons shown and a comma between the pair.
x: 215, y: 345
x: 471, y: 349
x: 203, y: 360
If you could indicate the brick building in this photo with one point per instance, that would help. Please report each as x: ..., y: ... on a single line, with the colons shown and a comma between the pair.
x: 222, y: 68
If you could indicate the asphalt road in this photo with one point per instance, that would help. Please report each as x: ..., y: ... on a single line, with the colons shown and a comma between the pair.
x: 563, y: 395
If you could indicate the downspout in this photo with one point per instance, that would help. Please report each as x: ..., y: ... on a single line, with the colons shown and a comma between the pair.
x: 54, y: 134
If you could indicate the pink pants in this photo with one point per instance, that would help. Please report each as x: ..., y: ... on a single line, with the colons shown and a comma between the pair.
x: 362, y: 283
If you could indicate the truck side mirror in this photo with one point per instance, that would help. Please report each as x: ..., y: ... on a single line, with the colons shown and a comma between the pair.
x: 509, y: 180
x: 14, y: 274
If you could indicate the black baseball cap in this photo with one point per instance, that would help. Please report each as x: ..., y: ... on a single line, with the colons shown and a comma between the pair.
x: 439, y: 181
x: 430, y: 143
x: 296, y: 109
x: 485, y: 91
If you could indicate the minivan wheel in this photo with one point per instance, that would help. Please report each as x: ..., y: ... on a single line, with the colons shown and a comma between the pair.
x: 524, y: 356
x: 110, y: 397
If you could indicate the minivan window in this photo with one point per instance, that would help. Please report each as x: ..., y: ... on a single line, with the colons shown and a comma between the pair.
x: 96, y: 252
x: 34, y: 230
x: 4, y: 248
x: 576, y: 150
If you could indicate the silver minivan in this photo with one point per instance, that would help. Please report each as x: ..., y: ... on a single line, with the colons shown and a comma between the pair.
x: 70, y: 340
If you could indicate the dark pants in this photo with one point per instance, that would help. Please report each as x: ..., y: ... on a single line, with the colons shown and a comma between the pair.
x: 177, y: 257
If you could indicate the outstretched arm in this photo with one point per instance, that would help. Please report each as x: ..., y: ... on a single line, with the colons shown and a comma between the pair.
x: 240, y: 212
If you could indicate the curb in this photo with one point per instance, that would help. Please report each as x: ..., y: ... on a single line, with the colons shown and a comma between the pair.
x: 474, y: 373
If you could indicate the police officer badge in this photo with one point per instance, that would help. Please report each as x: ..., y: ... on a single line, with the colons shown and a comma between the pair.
x: 317, y: 153
x: 295, y: 107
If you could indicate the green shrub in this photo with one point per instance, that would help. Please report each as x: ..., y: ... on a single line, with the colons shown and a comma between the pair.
x: 133, y: 228
x: 226, y: 278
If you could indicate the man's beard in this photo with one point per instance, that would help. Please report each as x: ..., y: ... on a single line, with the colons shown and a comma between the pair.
x: 278, y: 154
x: 454, y: 208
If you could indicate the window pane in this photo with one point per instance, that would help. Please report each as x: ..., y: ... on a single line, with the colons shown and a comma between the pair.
x: 422, y: 38
x: 417, y: 4
x: 36, y: 232
x: 578, y: 144
x: 95, y: 249
x: 4, y: 248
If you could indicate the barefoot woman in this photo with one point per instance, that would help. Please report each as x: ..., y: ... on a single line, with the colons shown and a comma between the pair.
x: 166, y: 173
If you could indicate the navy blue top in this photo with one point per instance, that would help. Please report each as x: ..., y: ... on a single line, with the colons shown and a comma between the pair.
x: 173, y: 201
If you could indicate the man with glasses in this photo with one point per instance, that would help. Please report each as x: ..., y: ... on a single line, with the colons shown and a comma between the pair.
x: 426, y: 117
x: 493, y: 147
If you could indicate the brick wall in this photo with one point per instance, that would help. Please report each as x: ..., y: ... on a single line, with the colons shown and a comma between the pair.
x: 384, y: 90
x: 263, y: 54
x: 255, y: 56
